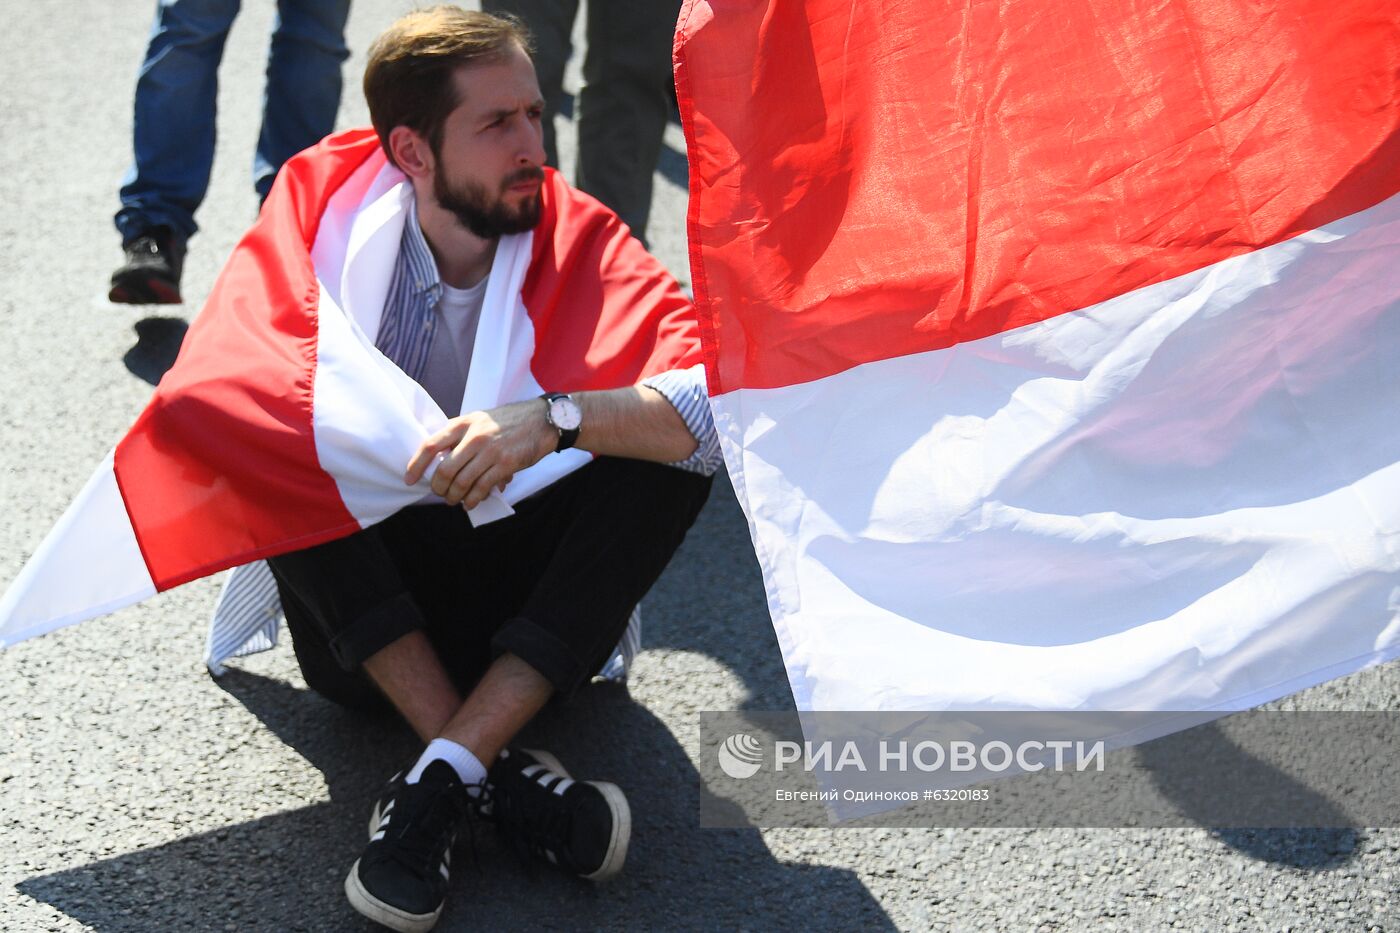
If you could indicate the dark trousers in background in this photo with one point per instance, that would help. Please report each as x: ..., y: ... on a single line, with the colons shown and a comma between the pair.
x: 553, y: 584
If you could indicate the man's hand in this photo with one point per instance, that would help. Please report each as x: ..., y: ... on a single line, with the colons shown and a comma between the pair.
x: 484, y: 450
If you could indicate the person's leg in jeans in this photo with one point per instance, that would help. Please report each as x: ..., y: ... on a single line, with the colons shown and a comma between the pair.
x: 303, y: 83
x: 624, y: 104
x: 173, y: 127
x: 551, y: 24
x: 173, y: 145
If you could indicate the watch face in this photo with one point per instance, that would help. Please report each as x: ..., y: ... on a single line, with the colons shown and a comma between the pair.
x: 565, y: 415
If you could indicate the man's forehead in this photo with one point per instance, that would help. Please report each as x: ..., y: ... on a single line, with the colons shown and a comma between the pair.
x: 506, y: 82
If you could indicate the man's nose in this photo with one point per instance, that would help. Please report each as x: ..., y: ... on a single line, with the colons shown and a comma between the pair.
x: 531, y: 151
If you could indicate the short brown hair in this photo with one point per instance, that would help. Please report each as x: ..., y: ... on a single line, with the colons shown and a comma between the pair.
x: 408, y: 80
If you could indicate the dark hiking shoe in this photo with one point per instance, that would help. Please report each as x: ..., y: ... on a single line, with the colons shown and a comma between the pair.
x: 581, y: 827
x: 151, y: 273
x: 401, y: 879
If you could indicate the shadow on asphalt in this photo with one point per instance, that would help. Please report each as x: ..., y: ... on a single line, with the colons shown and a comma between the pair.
x: 285, y: 872
x: 1307, y: 849
x: 672, y: 165
x: 1186, y: 768
x: 711, y: 602
x: 158, y: 341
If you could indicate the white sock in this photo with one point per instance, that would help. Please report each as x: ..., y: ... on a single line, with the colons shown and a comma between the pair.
x: 468, y: 768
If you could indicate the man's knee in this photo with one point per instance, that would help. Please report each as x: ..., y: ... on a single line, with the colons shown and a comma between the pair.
x: 655, y: 484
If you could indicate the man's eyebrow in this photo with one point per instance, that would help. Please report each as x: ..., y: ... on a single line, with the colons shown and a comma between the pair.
x: 502, y: 113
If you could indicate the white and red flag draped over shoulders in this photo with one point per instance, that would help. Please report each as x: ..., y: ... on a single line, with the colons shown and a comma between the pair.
x: 1055, y: 348
x: 281, y: 426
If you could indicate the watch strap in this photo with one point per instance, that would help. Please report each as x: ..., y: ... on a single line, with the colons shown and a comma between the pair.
x: 568, y: 437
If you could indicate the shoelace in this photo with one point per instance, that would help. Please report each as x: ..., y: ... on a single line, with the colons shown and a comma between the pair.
x: 423, y: 840
x: 535, y: 831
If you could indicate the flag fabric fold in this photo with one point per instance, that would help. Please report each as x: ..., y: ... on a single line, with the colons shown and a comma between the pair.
x: 1055, y: 351
x: 281, y: 426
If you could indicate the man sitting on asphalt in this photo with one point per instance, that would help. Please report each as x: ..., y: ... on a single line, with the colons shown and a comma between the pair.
x: 468, y: 629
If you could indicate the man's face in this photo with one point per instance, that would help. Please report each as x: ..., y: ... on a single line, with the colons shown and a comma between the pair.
x: 488, y: 170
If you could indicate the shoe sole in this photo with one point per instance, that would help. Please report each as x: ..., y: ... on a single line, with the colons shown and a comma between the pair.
x: 622, y: 818
x: 621, y: 835
x: 143, y: 290
x: 385, y: 914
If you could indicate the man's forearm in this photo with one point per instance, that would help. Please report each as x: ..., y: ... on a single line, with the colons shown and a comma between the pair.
x: 483, y: 450
x: 636, y: 422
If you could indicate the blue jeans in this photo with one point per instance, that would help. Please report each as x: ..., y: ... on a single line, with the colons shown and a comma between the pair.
x: 173, y: 129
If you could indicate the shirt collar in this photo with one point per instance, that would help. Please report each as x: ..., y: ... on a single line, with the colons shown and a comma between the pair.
x: 422, y: 267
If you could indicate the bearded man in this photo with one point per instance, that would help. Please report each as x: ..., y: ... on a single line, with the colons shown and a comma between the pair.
x: 510, y: 286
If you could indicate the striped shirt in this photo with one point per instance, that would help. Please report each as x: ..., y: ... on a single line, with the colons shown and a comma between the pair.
x: 412, y: 321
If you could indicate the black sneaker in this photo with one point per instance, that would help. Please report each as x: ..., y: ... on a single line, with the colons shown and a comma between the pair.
x: 580, y: 826
x: 151, y: 273
x: 401, y: 879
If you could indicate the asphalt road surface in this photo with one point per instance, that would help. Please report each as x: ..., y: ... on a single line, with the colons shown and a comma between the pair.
x: 138, y: 794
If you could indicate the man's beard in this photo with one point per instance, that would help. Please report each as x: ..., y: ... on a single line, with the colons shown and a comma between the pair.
x: 474, y: 208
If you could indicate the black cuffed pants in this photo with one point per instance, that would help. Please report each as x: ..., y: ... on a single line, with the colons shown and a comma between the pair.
x: 553, y: 584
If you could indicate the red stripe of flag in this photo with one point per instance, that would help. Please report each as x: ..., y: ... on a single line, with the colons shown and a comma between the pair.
x: 221, y: 467
x: 606, y: 312
x: 874, y: 181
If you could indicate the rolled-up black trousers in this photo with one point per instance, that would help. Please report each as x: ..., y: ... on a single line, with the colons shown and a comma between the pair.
x: 552, y: 584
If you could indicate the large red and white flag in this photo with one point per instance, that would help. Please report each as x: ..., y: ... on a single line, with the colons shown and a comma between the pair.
x: 281, y: 426
x: 1055, y: 348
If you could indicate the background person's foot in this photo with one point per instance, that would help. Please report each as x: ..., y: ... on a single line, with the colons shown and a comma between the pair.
x: 401, y: 879
x: 582, y: 827
x: 151, y: 273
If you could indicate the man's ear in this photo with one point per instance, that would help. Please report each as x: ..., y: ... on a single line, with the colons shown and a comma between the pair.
x: 412, y: 152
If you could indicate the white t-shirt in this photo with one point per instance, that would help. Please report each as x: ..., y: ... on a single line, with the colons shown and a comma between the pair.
x: 445, y: 375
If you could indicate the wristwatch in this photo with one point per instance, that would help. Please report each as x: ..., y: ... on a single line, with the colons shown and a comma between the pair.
x: 564, y: 415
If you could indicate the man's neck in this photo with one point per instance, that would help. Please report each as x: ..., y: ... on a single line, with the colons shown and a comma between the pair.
x: 463, y: 258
